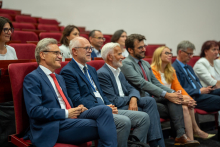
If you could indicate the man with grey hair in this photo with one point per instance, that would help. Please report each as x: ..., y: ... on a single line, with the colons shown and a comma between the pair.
x: 206, y: 98
x: 123, y: 95
x: 51, y: 112
x: 96, y: 39
x: 83, y: 88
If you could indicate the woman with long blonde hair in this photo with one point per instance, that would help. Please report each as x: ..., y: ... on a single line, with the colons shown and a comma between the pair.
x: 166, y: 75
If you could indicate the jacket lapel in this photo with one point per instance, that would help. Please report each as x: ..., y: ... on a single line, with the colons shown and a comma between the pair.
x: 136, y: 66
x: 45, y: 78
x: 115, y: 86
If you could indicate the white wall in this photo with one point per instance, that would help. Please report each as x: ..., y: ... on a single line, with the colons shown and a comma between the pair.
x: 161, y: 21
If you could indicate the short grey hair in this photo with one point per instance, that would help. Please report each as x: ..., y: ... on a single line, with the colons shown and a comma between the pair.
x: 184, y: 45
x: 43, y: 46
x: 108, y: 48
x: 75, y: 43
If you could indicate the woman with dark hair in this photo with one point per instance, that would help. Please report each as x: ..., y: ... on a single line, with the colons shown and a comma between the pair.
x: 120, y: 37
x: 69, y: 33
x: 207, y: 68
x: 6, y: 28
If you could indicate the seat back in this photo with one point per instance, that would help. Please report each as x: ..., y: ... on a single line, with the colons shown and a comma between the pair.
x: 6, y: 16
x: 193, y: 61
x: 62, y: 65
x: 17, y: 78
x: 21, y: 26
x: 150, y: 48
x: 107, y: 38
x: 24, y: 36
x: 48, y: 27
x: 8, y: 11
x: 148, y: 60
x: 27, y: 19
x: 24, y: 51
x: 96, y: 63
x: 56, y: 36
x: 48, y: 21
x: 85, y: 36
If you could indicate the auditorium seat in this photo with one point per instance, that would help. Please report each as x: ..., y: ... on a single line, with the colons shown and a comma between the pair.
x: 6, y: 16
x: 48, y: 28
x: 8, y: 11
x: 96, y: 64
x: 62, y: 28
x: 24, y: 36
x: 21, y: 117
x: 85, y: 36
x: 23, y: 18
x: 107, y: 38
x: 150, y: 48
x: 21, y: 26
x: 148, y: 60
x: 48, y: 21
x: 56, y: 36
x: 24, y: 50
x: 193, y: 61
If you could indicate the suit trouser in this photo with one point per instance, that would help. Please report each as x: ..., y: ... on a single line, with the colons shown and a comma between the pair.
x: 92, y: 124
x: 148, y: 104
x: 125, y: 120
x: 173, y: 111
x: 209, y: 102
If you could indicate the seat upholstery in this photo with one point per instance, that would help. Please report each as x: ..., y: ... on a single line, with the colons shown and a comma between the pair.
x: 21, y: 26
x: 56, y: 36
x: 48, y: 27
x: 24, y: 51
x: 23, y: 18
x: 24, y: 36
x: 48, y: 21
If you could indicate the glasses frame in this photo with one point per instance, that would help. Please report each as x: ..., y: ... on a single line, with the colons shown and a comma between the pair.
x: 103, y: 38
x: 57, y: 53
x: 167, y: 53
x: 86, y: 48
x: 5, y: 30
x: 189, y: 54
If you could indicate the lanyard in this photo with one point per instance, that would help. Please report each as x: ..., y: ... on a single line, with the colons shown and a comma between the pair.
x: 93, y: 87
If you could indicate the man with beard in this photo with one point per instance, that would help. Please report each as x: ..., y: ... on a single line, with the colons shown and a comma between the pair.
x: 138, y: 72
x: 83, y: 88
x: 96, y: 39
x: 124, y: 96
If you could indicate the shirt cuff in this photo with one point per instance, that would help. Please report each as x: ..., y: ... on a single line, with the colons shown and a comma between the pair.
x: 199, y: 92
x: 163, y: 94
x: 66, y: 113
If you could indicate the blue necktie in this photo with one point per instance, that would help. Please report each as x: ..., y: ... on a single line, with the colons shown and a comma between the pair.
x: 191, y: 77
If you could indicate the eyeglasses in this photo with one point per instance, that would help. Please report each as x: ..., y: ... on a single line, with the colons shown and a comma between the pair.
x: 88, y: 48
x: 189, y: 54
x: 168, y: 53
x: 55, y: 52
x: 141, y: 47
x: 8, y: 29
x: 99, y: 38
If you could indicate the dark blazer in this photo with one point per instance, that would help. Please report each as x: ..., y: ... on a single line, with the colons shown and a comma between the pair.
x: 43, y: 107
x: 184, y: 80
x: 110, y: 88
x: 93, y: 54
x: 78, y: 88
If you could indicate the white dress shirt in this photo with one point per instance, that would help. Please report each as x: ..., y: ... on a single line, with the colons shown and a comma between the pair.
x: 66, y: 52
x: 10, y: 54
x: 96, y: 93
x: 164, y: 80
x: 116, y: 73
x: 62, y: 103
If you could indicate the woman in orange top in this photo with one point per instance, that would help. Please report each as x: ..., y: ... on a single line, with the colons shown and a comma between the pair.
x: 166, y: 75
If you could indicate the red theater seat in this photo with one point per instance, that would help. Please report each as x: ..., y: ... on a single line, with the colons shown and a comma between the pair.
x: 6, y: 16
x: 193, y: 61
x: 24, y: 36
x: 85, y: 36
x: 8, y: 11
x: 21, y: 26
x: 24, y: 51
x: 23, y: 18
x: 48, y: 21
x: 148, y: 60
x: 62, y: 28
x: 150, y: 48
x: 48, y: 28
x: 56, y: 36
x: 21, y: 117
x: 107, y: 38
x: 96, y: 63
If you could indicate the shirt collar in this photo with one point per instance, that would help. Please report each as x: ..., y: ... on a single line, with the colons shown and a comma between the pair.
x: 115, y: 71
x: 80, y: 65
x: 45, y: 70
x: 96, y: 51
x: 182, y: 64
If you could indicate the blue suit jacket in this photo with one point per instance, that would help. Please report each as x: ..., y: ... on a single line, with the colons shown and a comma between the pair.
x: 184, y: 80
x: 110, y: 88
x: 78, y: 88
x: 93, y: 54
x: 43, y: 107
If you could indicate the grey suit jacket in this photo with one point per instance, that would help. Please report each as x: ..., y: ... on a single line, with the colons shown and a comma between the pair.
x: 110, y: 87
x: 134, y: 75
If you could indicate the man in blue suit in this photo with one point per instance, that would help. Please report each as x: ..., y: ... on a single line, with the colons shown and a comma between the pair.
x: 83, y: 88
x: 123, y: 95
x: 206, y: 98
x: 51, y: 112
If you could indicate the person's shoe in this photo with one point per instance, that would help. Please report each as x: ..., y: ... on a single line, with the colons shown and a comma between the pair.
x: 184, y: 141
x: 209, y: 136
